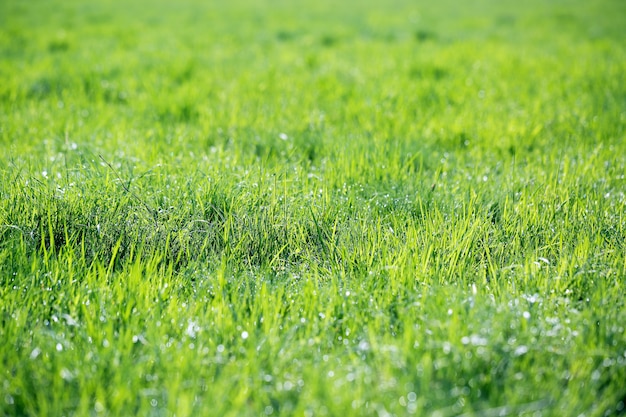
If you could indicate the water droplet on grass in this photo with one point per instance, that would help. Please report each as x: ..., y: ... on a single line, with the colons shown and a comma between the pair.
x: 35, y: 353
x: 192, y: 329
x: 520, y: 350
x: 69, y: 320
x: 474, y: 340
x: 66, y: 374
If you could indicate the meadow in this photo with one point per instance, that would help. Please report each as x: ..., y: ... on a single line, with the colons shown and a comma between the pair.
x: 313, y: 208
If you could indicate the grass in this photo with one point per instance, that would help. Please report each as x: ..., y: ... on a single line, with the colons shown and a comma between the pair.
x: 255, y: 208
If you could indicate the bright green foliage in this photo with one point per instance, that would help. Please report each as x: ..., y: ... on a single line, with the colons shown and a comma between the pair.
x: 311, y: 208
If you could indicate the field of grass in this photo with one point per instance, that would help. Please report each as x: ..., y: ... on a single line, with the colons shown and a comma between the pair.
x: 313, y: 208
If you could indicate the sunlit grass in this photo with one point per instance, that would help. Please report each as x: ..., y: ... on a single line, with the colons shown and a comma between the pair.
x: 275, y: 208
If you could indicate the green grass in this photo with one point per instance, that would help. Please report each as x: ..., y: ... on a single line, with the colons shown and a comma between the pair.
x: 302, y: 208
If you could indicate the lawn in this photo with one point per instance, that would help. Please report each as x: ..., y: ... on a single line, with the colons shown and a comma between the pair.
x: 313, y: 208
